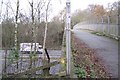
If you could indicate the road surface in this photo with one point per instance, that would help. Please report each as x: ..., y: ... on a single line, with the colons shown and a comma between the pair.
x: 107, y: 49
x: 54, y: 56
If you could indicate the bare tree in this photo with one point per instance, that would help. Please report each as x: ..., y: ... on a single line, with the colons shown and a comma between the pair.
x: 33, y: 30
x: 46, y: 26
x: 34, y: 27
x: 109, y: 12
x: 16, y: 29
x: 40, y: 6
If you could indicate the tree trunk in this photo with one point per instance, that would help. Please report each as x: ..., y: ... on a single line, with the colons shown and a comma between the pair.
x: 16, y: 29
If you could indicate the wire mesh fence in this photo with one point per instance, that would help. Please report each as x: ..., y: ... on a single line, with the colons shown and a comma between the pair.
x: 23, y: 33
x: 107, y: 29
x: 16, y: 61
x: 23, y: 64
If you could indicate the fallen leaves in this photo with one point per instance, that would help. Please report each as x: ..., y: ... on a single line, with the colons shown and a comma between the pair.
x: 86, y: 61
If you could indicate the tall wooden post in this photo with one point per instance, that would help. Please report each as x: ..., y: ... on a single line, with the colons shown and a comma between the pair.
x: 68, y: 36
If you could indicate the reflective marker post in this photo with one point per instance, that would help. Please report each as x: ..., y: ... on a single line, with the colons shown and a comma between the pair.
x: 68, y: 36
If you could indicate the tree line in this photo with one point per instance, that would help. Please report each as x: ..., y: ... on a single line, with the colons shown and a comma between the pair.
x: 96, y: 13
x: 31, y: 25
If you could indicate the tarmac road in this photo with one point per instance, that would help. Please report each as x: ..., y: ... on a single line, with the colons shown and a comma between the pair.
x: 107, y: 49
x: 54, y: 56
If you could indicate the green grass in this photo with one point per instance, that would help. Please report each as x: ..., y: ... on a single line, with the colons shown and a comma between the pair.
x: 80, y: 72
x: 102, y: 34
x: 98, y: 33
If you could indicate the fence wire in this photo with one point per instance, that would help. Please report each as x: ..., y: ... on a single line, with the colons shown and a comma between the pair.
x: 53, y: 44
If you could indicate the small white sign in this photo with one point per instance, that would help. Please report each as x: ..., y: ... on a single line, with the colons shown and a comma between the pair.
x: 68, y: 18
x: 68, y: 7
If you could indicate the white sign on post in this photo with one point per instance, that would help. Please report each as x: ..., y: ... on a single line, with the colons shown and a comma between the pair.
x: 68, y: 7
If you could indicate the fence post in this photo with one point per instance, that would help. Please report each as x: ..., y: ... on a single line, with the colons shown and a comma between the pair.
x: 108, y: 25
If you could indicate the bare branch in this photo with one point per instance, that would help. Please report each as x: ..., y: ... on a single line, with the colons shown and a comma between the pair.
x: 38, y: 8
x: 1, y: 10
x: 11, y: 8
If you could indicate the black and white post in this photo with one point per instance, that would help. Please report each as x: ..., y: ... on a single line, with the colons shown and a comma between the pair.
x: 68, y: 36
